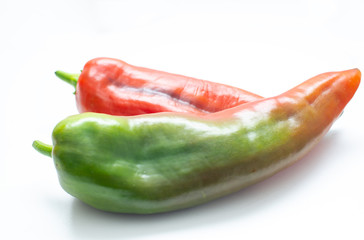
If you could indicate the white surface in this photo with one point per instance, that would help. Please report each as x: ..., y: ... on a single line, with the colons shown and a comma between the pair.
x: 262, y: 46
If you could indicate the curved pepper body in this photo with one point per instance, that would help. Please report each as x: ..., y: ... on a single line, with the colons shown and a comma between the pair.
x: 114, y: 87
x: 168, y: 161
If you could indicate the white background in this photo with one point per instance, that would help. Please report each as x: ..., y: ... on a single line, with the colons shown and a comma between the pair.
x: 265, y: 47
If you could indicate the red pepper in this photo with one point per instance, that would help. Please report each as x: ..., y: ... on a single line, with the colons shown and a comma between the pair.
x: 114, y: 87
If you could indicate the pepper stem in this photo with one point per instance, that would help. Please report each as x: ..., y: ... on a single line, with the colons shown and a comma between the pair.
x: 70, y: 78
x: 43, y: 148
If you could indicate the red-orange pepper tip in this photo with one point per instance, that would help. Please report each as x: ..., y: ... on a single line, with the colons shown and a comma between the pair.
x: 355, y: 76
x: 355, y: 71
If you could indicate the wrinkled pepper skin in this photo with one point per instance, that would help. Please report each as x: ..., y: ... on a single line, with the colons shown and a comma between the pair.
x: 167, y: 161
x: 114, y: 87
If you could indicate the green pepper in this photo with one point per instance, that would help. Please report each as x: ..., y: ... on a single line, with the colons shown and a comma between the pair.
x: 167, y: 161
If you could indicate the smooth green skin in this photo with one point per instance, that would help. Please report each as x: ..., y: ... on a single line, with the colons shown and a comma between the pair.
x: 164, y: 162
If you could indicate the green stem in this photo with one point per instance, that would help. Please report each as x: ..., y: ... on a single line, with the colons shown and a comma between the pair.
x: 43, y: 148
x: 70, y: 78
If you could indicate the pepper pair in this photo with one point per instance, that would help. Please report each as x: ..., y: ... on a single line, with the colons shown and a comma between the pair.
x: 203, y: 141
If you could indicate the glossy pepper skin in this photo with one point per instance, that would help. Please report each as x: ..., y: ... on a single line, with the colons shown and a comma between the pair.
x: 168, y: 161
x: 114, y: 87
